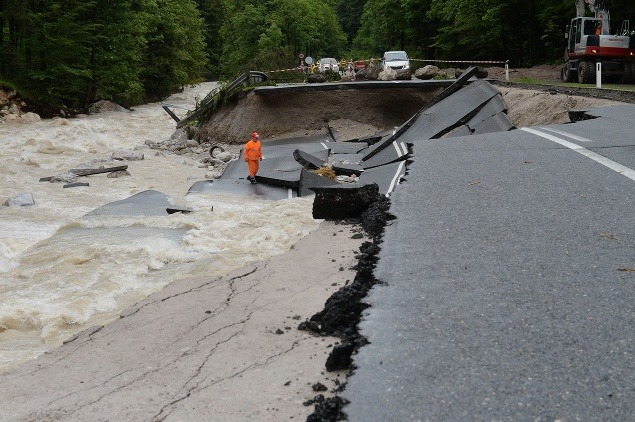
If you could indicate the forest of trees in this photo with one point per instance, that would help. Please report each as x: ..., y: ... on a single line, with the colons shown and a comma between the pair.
x: 73, y: 52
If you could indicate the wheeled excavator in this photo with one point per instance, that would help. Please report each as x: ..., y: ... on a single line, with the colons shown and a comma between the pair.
x: 590, y: 41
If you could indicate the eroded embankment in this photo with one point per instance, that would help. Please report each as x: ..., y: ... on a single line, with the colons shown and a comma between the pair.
x: 277, y: 115
x: 357, y: 113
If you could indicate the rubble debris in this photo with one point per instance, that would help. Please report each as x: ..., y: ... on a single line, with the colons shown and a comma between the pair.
x: 339, y: 202
x: 21, y: 200
x: 75, y: 185
x: 88, y: 172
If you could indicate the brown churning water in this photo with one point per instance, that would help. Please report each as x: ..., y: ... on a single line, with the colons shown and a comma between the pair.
x: 62, y: 271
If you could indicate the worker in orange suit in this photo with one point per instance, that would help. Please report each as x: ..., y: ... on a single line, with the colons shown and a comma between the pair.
x: 253, y: 156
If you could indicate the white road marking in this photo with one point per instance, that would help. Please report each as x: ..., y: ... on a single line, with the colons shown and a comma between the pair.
x: 405, y: 150
x: 623, y: 170
x: 325, y: 147
x: 289, y: 193
x: 567, y: 134
x: 396, y: 145
x: 395, y: 180
x: 400, y: 148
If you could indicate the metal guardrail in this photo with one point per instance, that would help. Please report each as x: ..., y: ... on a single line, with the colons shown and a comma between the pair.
x: 212, y: 101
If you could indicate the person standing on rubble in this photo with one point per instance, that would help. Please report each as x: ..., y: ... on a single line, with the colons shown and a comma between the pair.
x: 253, y: 156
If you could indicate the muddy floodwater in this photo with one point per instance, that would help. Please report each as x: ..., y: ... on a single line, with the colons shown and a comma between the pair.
x: 62, y: 271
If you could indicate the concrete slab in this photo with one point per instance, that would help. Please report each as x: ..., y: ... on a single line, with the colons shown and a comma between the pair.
x: 497, y: 123
x: 394, y: 152
x: 387, y: 139
x: 309, y: 161
x: 456, y: 85
x: 346, y: 164
x: 314, y: 139
x: 386, y: 177
x: 347, y: 147
x: 346, y: 159
x: 149, y: 202
x: 371, y: 140
x: 462, y: 130
x: 280, y: 171
x: 309, y: 180
x: 286, y: 150
x: 348, y: 169
x: 379, y: 145
x: 494, y: 106
x: 450, y: 112
x: 242, y: 187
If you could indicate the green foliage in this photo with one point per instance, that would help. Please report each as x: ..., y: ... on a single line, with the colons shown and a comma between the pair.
x: 73, y: 52
x: 271, y: 35
x: 349, y: 13
x: 213, y: 14
x: 174, y: 53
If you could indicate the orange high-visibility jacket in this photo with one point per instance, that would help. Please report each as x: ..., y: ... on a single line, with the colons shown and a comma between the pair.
x: 253, y: 150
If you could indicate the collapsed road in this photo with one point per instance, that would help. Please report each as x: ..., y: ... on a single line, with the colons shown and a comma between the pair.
x: 505, y: 278
x: 506, y: 274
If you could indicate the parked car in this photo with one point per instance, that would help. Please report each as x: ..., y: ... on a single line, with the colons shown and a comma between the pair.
x: 328, y: 63
x: 396, y: 60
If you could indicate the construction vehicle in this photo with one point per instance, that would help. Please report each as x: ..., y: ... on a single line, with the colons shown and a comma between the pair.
x: 589, y: 42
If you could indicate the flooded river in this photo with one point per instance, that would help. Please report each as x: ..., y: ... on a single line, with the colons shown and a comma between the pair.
x: 62, y: 271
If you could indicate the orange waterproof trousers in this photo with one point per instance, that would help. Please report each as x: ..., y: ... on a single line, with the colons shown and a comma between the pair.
x: 254, y: 165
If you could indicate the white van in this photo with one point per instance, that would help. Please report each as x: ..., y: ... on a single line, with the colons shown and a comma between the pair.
x: 396, y: 60
x: 328, y: 63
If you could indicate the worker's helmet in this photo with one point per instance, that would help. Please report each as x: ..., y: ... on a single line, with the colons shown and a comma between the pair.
x: 255, y: 135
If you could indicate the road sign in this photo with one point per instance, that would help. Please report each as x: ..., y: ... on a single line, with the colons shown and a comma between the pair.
x: 308, y: 60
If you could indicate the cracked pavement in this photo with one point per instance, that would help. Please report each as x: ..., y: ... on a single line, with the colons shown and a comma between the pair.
x: 202, y: 349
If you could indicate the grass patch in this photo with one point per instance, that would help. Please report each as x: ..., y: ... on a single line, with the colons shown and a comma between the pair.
x: 531, y: 81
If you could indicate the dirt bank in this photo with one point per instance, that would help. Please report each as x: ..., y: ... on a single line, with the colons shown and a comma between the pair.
x: 363, y: 112
x: 352, y: 114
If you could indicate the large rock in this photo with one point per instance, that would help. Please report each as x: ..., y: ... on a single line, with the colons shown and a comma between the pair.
x: 404, y: 74
x: 388, y: 74
x: 127, y: 155
x: 21, y: 200
x: 103, y: 106
x: 427, y: 72
x: 315, y: 78
x: 370, y: 73
x: 29, y: 117
x: 68, y: 177
x: 339, y: 202
x: 224, y: 156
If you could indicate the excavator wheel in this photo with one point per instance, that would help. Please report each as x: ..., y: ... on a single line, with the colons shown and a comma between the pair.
x: 584, y: 72
x: 629, y: 73
x: 566, y: 74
